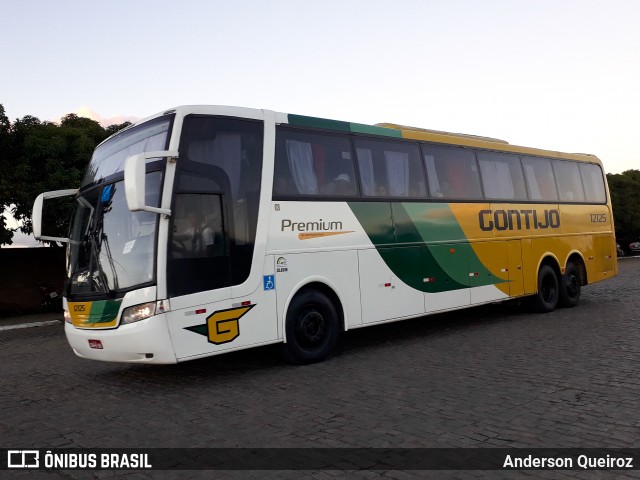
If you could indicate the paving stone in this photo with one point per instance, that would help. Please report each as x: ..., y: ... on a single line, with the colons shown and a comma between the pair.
x: 493, y: 376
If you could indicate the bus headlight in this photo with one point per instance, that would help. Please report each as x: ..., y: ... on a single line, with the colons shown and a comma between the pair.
x: 67, y: 315
x: 138, y: 312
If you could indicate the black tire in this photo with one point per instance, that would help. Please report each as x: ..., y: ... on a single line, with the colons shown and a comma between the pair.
x: 548, y: 294
x: 312, y: 327
x: 570, y: 286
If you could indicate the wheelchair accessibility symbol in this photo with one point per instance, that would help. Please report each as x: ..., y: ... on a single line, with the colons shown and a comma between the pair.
x: 269, y: 282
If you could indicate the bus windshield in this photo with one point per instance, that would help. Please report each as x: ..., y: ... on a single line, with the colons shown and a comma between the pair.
x: 109, y: 157
x: 112, y: 249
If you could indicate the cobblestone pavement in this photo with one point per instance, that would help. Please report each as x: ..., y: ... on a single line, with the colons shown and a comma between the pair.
x: 494, y: 376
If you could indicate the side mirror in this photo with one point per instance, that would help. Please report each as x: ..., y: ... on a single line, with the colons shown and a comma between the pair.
x: 134, y: 180
x: 36, y: 214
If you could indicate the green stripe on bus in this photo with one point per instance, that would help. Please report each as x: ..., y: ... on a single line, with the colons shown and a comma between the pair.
x: 326, y: 124
x: 373, y: 130
x: 435, y: 222
x: 409, y: 251
x: 446, y: 273
x: 375, y: 218
x: 104, y: 311
x: 322, y: 123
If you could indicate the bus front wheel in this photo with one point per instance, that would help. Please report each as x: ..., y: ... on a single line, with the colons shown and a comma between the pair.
x: 311, y: 327
x: 548, y: 294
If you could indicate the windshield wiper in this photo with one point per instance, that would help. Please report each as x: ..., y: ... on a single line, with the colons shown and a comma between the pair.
x: 95, y: 257
x: 107, y: 250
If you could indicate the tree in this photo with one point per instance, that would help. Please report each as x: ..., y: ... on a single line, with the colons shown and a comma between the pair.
x: 5, y: 184
x: 111, y: 129
x: 40, y: 156
x: 625, y: 198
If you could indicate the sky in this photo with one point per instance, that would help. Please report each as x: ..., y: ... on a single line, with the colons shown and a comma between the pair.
x: 556, y: 74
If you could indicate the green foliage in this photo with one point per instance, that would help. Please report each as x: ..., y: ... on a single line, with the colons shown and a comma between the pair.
x: 37, y: 156
x: 625, y: 198
x: 111, y: 129
x: 40, y: 156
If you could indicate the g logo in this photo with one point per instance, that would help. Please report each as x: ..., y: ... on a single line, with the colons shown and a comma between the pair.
x: 223, y: 326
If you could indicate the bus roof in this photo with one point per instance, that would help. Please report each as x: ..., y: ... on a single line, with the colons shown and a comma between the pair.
x: 436, y: 136
x: 439, y: 132
x: 381, y: 129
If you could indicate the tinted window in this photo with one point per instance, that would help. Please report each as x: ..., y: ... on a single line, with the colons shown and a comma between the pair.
x: 539, y: 177
x: 313, y: 163
x: 390, y: 169
x: 110, y: 156
x: 502, y: 177
x: 593, y: 183
x: 569, y: 181
x: 452, y: 173
x: 199, y: 257
x: 215, y: 208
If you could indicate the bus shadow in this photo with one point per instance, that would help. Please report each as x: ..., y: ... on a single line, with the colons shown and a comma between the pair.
x: 433, y: 324
x: 256, y: 362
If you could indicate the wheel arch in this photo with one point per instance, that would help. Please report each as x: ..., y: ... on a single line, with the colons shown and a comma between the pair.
x: 577, y: 259
x: 321, y: 285
x: 551, y: 260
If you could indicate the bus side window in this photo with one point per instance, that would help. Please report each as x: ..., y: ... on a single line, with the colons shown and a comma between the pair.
x: 310, y: 163
x: 452, y: 173
x: 502, y: 177
x: 540, y: 180
x: 569, y: 182
x: 198, y: 253
x: 593, y: 183
x: 390, y: 169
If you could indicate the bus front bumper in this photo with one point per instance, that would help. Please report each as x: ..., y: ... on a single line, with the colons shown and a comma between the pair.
x: 147, y: 341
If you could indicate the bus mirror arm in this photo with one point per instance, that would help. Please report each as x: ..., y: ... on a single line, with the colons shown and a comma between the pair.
x: 36, y: 213
x: 134, y: 180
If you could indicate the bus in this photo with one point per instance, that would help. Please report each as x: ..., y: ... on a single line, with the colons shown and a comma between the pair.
x: 209, y: 229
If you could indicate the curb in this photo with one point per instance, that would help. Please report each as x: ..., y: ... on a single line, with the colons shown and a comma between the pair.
x: 29, y: 325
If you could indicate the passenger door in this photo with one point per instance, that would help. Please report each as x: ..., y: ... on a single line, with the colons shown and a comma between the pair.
x: 199, y: 248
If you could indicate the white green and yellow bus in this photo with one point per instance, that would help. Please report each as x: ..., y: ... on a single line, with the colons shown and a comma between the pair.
x: 208, y: 229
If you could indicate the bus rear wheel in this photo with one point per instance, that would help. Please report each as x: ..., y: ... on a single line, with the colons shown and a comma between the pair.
x: 548, y: 294
x: 570, y: 286
x: 311, y: 327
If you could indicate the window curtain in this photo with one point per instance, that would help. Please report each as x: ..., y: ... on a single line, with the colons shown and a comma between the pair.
x: 532, y: 183
x: 300, y: 158
x: 227, y: 154
x: 496, y: 179
x: 432, y: 176
x: 365, y: 162
x: 397, y: 173
x: 594, y: 187
x: 224, y: 152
